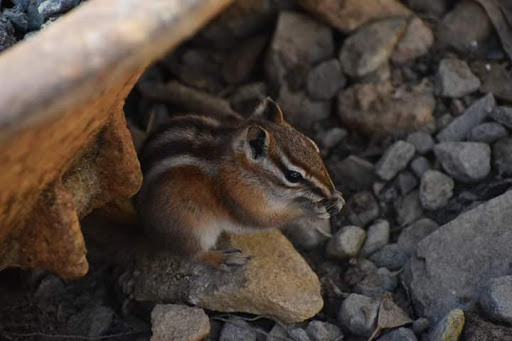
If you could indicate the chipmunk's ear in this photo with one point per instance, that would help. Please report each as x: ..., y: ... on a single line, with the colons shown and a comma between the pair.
x: 257, y: 141
x: 269, y: 111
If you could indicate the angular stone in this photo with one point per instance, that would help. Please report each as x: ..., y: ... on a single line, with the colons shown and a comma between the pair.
x: 408, y: 208
x: 375, y: 284
x: 496, y: 299
x: 407, y: 182
x: 178, y: 322
x: 465, y: 161
x: 412, y: 235
x: 451, y: 265
x: 496, y: 78
x: 377, y: 237
x: 455, y: 79
x: 358, y: 314
x: 422, y: 142
x: 416, y: 41
x: 346, y: 242
x: 325, y: 80
x: 502, y: 153
x: 420, y: 165
x: 487, y: 132
x: 502, y: 115
x: 371, y: 46
x: 436, y: 189
x: 394, y: 159
x: 380, y: 110
x: 323, y: 331
x: 349, y: 15
x: 276, y: 281
x: 460, y: 127
x: 450, y: 328
x: 237, y: 329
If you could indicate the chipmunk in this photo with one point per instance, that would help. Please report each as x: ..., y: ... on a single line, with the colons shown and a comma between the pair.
x: 203, y: 177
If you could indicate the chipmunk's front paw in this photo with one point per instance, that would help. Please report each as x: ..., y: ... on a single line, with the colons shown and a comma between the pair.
x: 225, y: 260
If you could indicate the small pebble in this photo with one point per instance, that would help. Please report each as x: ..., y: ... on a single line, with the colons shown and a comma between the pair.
x: 394, y: 160
x: 362, y: 208
x: 422, y: 142
x: 487, y: 132
x: 325, y: 80
x: 420, y: 165
x: 435, y: 190
x: 400, y: 334
x: 377, y: 237
x: 390, y: 257
x: 358, y: 314
x: 237, y: 329
x: 407, y: 182
x: 323, y: 331
x: 464, y: 161
x: 420, y: 325
x: 376, y: 283
x: 449, y: 328
x: 502, y: 115
x: 346, y: 243
x: 408, y: 208
x: 502, y: 154
x: 496, y: 299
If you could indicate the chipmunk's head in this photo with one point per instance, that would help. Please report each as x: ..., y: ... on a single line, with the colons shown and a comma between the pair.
x: 288, y: 164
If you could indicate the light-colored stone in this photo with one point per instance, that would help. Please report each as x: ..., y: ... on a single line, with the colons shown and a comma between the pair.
x: 450, y: 328
x: 394, y: 159
x: 436, y: 189
x: 380, y: 109
x: 171, y: 322
x: 371, y: 46
x: 496, y: 299
x: 275, y: 282
x: 377, y: 237
x: 465, y: 161
x: 358, y: 314
x: 351, y: 14
x: 346, y: 242
x: 416, y: 41
x: 455, y: 78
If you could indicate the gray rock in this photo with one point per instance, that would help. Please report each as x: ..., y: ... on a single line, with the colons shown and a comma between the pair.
x: 375, y: 284
x: 323, y: 331
x: 242, y: 59
x: 377, y: 237
x: 422, y: 142
x: 444, y: 121
x: 496, y: 299
x: 487, y: 132
x: 358, y: 314
x: 476, y: 329
x: 362, y: 208
x: 400, y: 334
x: 307, y: 233
x: 420, y: 325
x: 436, y: 189
x: 502, y: 153
x: 408, y: 208
x: 346, y: 242
x: 325, y: 80
x: 449, y: 328
x: 465, y: 161
x: 17, y: 17
x: 406, y: 182
x: 451, y: 265
x: 412, y: 235
x: 298, y: 334
x: 460, y: 127
x: 278, y: 333
x: 455, y: 79
x: 371, y: 46
x: 178, y: 322
x: 332, y: 137
x: 353, y: 174
x: 7, y: 38
x: 390, y: 257
x: 396, y: 158
x: 237, y: 329
x: 93, y: 321
x: 302, y: 112
x: 502, y: 115
x: 298, y: 43
x: 50, y: 286
x: 420, y: 165
x: 464, y: 28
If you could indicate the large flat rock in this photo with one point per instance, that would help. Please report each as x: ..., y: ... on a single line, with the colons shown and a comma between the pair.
x: 452, y: 265
x: 277, y: 282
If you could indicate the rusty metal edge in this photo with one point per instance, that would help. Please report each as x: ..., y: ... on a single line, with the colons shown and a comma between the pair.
x: 60, y: 67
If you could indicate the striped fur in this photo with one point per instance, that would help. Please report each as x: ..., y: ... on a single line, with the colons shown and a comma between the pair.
x: 203, y: 176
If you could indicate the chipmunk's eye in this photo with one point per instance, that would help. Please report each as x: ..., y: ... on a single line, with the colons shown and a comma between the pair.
x: 293, y: 176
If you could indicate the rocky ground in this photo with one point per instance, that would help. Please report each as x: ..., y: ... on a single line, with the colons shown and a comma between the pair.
x: 410, y: 104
